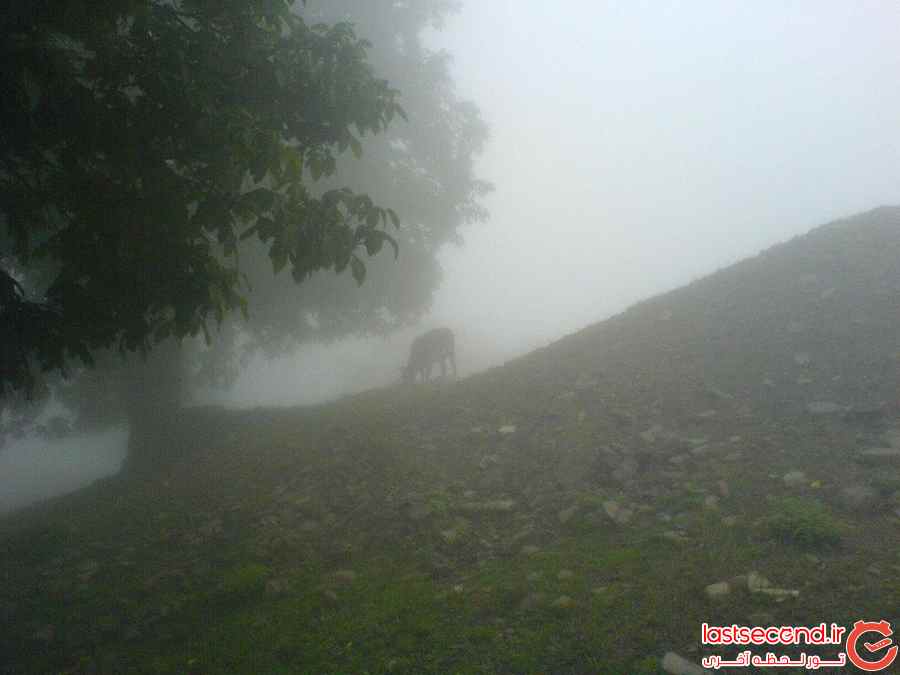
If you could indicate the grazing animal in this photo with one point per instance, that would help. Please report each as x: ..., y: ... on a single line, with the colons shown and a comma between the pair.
x: 435, y: 346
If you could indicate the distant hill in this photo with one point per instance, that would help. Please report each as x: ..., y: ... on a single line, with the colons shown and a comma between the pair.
x: 814, y: 319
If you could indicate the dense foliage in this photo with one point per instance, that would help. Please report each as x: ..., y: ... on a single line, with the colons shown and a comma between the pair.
x: 141, y: 142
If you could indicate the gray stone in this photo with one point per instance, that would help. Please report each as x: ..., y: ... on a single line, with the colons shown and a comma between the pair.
x: 566, y: 515
x: 494, y: 506
x: 718, y: 590
x: 880, y: 456
x: 795, y: 479
x: 824, y: 408
x: 617, y: 513
x: 858, y: 497
x: 677, y: 665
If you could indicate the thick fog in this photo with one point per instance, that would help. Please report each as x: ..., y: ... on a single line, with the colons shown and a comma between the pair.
x: 634, y: 146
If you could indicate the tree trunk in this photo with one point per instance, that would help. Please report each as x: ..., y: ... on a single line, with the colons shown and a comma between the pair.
x: 154, y: 391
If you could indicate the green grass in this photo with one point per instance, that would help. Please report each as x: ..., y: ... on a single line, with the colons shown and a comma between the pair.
x: 224, y: 575
x: 803, y: 521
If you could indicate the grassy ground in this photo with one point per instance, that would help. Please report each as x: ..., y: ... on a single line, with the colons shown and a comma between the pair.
x: 353, y: 539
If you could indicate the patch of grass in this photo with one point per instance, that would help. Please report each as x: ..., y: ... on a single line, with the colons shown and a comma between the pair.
x: 803, y: 521
x: 245, y: 580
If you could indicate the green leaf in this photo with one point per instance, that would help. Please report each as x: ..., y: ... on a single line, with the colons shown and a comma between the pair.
x: 279, y: 258
x: 358, y: 269
x: 356, y: 147
x: 374, y: 242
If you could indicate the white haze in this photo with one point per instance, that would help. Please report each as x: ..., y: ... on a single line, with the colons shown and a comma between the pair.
x: 635, y: 146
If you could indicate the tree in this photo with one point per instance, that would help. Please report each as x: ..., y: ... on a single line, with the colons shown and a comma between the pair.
x: 422, y: 168
x: 142, y: 141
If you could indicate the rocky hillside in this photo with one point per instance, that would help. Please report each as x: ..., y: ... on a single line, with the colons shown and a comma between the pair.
x: 813, y: 319
x: 719, y: 453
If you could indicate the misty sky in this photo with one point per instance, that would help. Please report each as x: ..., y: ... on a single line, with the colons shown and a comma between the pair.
x: 638, y: 145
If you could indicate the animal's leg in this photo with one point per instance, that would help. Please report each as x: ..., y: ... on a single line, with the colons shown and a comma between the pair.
x: 453, y: 363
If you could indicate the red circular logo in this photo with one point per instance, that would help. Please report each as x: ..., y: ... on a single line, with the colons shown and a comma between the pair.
x: 883, y: 628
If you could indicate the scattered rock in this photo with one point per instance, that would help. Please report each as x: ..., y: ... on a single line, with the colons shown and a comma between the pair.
x: 278, y: 587
x: 892, y: 437
x: 487, y: 461
x: 530, y: 549
x: 677, y: 665
x: 762, y: 619
x: 566, y: 515
x: 802, y: 359
x: 652, y: 434
x: 676, y: 536
x: 795, y: 479
x: 494, y: 506
x: 617, y: 513
x: 457, y: 532
x: 824, y: 408
x: 718, y: 590
x: 715, y: 392
x: 880, y: 456
x: 756, y: 583
x: 711, y: 502
x: 858, y: 497
x: 584, y: 381
x: 707, y: 414
x: 564, y: 575
x: 507, y: 429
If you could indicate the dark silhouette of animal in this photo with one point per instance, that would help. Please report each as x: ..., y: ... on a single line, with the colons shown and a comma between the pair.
x: 435, y: 346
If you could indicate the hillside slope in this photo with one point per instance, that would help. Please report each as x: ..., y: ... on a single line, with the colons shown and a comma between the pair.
x: 719, y: 453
